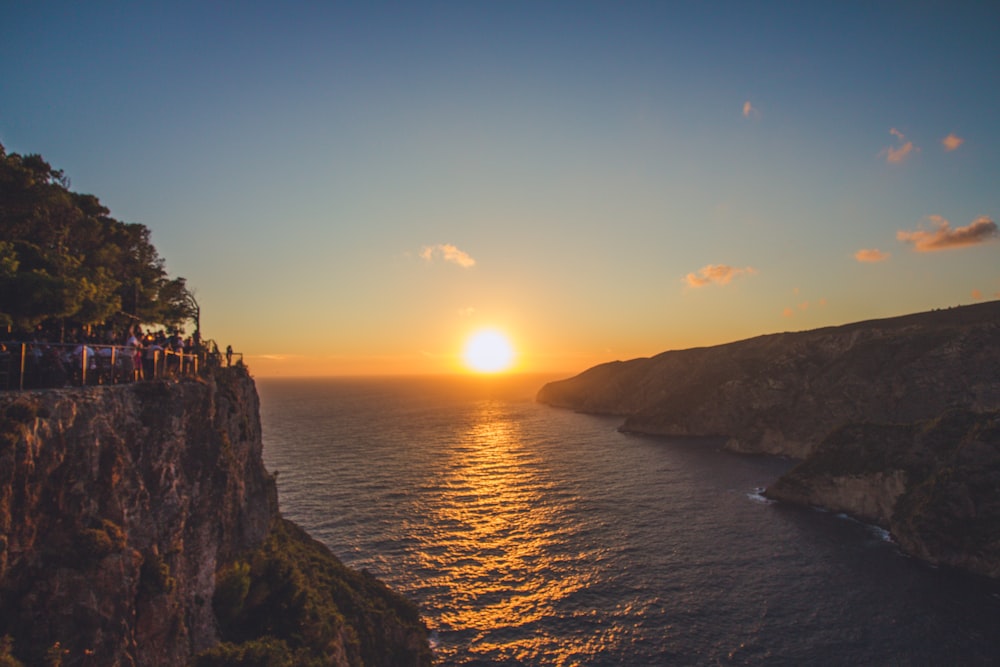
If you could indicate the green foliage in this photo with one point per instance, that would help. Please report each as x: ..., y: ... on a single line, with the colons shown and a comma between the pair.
x: 63, y: 259
x: 54, y: 655
x: 154, y: 576
x: 295, y: 592
x: 95, y: 543
x: 7, y: 658
x: 267, y: 652
x: 231, y: 589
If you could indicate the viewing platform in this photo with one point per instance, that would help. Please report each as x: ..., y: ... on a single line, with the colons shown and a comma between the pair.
x: 41, y: 365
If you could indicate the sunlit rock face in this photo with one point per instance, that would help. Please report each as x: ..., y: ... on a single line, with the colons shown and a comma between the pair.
x: 934, y: 485
x: 117, y: 506
x: 783, y: 393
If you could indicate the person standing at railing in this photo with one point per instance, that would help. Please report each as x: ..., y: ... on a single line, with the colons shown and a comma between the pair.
x: 132, y: 357
x: 154, y: 351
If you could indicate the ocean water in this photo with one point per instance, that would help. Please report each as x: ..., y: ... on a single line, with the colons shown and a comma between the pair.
x: 530, y: 535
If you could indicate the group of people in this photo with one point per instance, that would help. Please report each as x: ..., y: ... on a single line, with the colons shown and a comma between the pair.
x: 102, y: 358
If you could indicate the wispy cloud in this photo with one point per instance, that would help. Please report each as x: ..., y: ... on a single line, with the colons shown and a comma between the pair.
x: 448, y: 253
x: 895, y: 155
x: 943, y: 237
x: 720, y: 274
x: 871, y: 255
x: 977, y: 295
x: 952, y: 141
x: 750, y: 110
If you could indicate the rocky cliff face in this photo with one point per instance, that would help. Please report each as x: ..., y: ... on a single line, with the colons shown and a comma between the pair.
x: 781, y: 394
x: 934, y: 485
x: 119, y: 506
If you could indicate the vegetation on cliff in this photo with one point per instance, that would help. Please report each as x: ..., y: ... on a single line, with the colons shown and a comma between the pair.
x: 783, y: 393
x: 292, y: 602
x: 65, y: 262
x: 947, y: 508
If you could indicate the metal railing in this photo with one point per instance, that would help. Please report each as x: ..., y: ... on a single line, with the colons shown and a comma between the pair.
x: 38, y: 365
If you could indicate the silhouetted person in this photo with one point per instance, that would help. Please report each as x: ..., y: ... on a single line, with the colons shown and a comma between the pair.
x: 229, y: 356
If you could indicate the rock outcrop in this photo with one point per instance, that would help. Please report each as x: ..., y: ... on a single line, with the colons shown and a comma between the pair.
x: 119, y: 505
x: 897, y: 419
x: 934, y: 485
x: 783, y: 393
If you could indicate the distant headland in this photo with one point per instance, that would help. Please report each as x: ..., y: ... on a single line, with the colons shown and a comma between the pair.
x: 896, y: 419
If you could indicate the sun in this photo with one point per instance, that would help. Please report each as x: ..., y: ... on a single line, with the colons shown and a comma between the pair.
x: 488, y: 351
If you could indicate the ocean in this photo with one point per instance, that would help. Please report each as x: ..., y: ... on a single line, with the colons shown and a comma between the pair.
x: 530, y: 535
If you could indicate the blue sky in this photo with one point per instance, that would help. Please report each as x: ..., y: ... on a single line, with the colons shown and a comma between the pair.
x: 353, y: 188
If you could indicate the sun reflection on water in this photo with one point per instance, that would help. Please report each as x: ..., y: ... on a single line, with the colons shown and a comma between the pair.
x: 499, y: 552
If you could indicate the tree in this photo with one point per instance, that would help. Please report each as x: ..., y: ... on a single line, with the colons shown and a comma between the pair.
x: 65, y: 261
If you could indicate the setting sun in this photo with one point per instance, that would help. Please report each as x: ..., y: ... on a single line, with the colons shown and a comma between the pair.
x: 488, y: 351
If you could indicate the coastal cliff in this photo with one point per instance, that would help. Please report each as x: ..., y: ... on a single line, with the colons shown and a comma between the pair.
x: 897, y: 420
x: 935, y: 485
x: 783, y: 393
x: 122, y: 510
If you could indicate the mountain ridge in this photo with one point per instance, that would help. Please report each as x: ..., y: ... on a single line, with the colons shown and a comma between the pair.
x: 781, y: 393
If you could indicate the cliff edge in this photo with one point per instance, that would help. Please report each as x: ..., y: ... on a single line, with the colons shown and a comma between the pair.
x: 122, y: 507
x: 897, y: 420
x: 783, y: 393
x: 933, y: 484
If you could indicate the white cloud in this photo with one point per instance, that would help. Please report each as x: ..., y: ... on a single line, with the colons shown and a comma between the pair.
x: 720, y: 274
x: 448, y: 253
x: 900, y: 152
x: 871, y: 255
x: 952, y: 141
x: 943, y: 237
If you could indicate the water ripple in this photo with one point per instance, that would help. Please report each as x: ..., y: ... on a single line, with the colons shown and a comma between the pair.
x: 532, y: 536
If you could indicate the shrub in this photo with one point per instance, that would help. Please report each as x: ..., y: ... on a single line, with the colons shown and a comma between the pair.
x: 7, y: 658
x: 154, y: 577
x: 266, y: 652
x: 96, y: 543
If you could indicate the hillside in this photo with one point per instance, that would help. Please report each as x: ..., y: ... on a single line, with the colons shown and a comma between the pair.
x: 783, y: 393
x: 935, y: 485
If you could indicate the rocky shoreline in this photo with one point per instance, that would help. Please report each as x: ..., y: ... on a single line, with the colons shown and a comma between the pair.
x: 895, y: 420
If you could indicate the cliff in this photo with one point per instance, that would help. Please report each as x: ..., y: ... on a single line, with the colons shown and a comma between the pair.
x: 121, y: 507
x: 897, y: 420
x: 935, y: 485
x: 783, y: 393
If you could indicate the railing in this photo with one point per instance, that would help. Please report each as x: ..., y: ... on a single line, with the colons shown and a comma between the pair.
x: 48, y: 365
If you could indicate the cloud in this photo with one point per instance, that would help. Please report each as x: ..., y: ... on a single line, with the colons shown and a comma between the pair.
x: 448, y: 253
x: 977, y: 295
x: 748, y: 110
x: 871, y: 255
x: 720, y: 274
x: 787, y: 312
x: 943, y: 237
x: 951, y: 142
x: 900, y: 152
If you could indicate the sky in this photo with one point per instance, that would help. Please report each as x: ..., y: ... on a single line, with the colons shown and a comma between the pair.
x: 354, y: 188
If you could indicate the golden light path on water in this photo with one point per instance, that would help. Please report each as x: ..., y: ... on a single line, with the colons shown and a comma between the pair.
x: 534, y: 536
x: 501, y: 552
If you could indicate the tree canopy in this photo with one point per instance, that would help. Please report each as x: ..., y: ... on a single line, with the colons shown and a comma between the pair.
x: 65, y: 262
